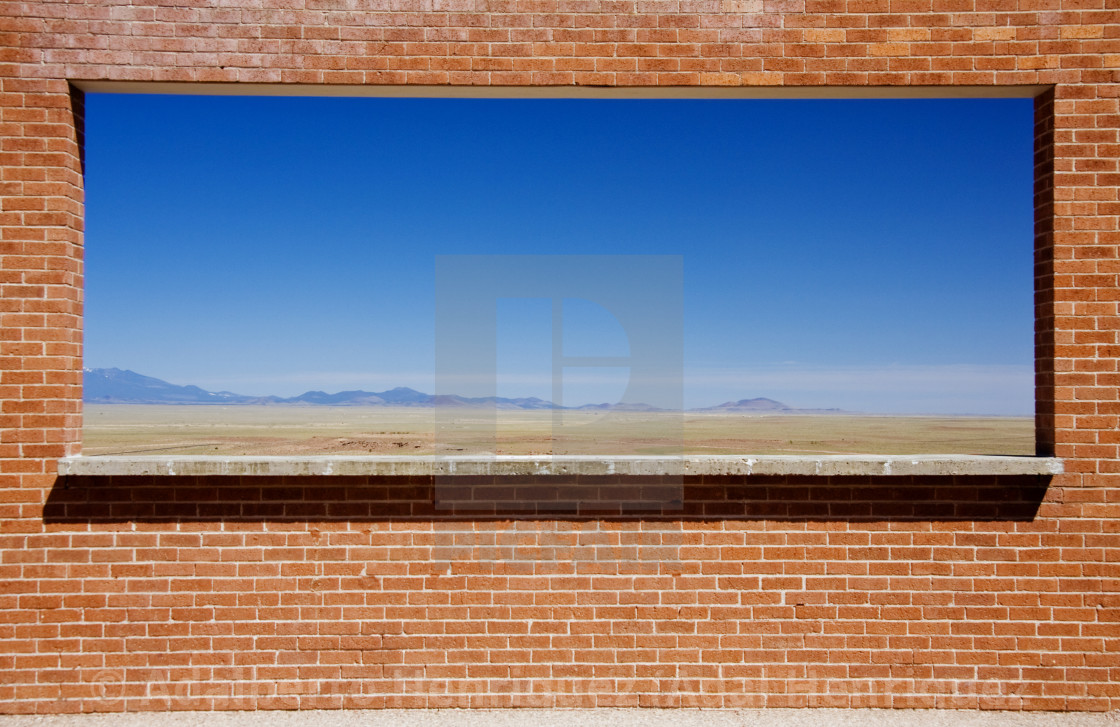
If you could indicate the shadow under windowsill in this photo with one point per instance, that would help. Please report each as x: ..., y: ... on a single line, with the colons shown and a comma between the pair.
x: 378, y: 498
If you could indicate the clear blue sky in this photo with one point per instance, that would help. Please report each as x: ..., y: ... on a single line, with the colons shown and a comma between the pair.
x: 867, y: 255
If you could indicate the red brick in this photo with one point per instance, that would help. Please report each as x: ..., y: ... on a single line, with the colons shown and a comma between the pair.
x: 804, y: 615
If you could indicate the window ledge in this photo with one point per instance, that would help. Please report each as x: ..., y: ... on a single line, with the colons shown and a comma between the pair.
x: 504, y: 465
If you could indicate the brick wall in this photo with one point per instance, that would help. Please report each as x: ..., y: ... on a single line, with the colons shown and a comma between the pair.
x: 135, y: 594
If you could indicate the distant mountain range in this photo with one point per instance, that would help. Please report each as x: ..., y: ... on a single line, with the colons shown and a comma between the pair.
x: 120, y: 386
x: 759, y: 404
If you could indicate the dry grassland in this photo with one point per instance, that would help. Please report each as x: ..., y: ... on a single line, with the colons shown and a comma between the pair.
x: 307, y: 430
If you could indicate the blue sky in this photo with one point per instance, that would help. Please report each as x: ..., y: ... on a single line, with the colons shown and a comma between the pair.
x: 867, y: 255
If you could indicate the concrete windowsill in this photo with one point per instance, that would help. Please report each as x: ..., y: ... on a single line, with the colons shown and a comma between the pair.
x: 508, y: 466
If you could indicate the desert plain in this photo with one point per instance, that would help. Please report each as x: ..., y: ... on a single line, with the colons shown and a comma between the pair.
x: 155, y: 429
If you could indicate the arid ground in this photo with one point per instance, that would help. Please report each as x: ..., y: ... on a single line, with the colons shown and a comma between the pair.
x: 306, y: 430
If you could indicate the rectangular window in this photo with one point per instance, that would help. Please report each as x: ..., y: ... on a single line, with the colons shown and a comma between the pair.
x: 855, y: 276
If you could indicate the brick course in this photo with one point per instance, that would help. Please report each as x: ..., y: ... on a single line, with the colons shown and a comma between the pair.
x: 133, y: 594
